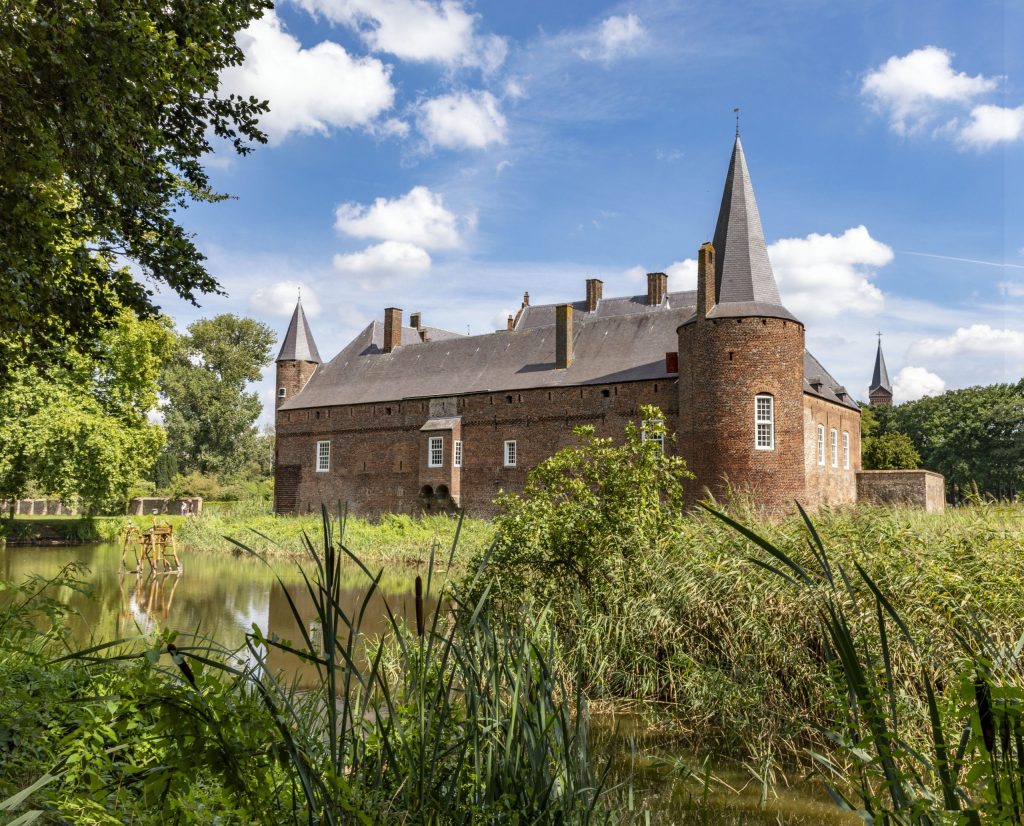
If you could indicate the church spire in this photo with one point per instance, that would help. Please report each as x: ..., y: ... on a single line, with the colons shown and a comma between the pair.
x: 742, y: 270
x: 298, y: 344
x: 880, y: 391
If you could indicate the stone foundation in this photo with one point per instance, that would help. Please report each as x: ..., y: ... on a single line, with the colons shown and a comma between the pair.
x: 902, y: 488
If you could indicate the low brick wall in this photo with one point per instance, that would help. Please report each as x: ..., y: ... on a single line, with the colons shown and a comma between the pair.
x: 902, y: 488
x: 38, y: 507
x: 148, y: 505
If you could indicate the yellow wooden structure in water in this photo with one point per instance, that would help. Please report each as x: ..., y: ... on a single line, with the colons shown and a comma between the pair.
x: 154, y: 545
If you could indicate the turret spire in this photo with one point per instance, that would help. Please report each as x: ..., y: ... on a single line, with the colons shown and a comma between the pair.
x: 298, y: 344
x: 742, y: 270
x: 880, y: 391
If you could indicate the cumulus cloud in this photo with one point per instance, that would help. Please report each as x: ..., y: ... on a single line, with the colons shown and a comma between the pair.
x: 682, y: 275
x: 384, y: 266
x: 978, y: 338
x: 826, y: 275
x: 914, y: 382
x: 417, y: 30
x: 616, y: 36
x: 418, y: 217
x: 279, y: 299
x: 309, y: 90
x: 990, y: 125
x: 1011, y: 289
x: 914, y: 89
x: 462, y: 120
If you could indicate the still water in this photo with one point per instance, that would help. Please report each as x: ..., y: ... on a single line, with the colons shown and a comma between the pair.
x: 222, y: 597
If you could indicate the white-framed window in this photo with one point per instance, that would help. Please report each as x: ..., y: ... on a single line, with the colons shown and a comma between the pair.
x: 654, y: 437
x: 281, y: 392
x: 511, y: 453
x: 846, y: 450
x: 323, y: 456
x: 821, y: 444
x: 764, y: 422
x: 833, y: 443
x: 457, y: 453
x: 435, y: 451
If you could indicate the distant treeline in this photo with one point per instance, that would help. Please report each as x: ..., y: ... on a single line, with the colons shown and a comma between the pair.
x: 974, y: 437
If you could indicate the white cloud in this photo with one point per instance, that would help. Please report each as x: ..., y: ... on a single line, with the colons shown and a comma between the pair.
x: 514, y: 89
x: 384, y: 266
x: 990, y: 125
x: 463, y: 120
x: 279, y: 299
x: 418, y: 217
x: 309, y: 90
x: 417, y: 30
x: 978, y: 338
x: 912, y: 90
x: 914, y: 382
x: 615, y: 37
x: 1012, y: 289
x: 682, y: 275
x: 826, y: 275
x: 502, y: 166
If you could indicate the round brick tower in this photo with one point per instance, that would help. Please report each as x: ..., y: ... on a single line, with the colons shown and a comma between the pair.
x: 741, y: 363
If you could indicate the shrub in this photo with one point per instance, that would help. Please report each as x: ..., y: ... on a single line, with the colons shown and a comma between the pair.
x: 891, y: 451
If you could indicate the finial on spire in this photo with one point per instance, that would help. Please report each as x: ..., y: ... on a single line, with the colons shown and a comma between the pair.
x: 737, y: 111
x: 879, y: 334
x: 300, y: 293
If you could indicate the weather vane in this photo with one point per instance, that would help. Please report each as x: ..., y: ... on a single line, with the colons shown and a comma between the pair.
x: 300, y: 292
x: 737, y: 111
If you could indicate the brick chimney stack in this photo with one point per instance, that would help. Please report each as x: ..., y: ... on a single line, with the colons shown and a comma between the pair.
x: 595, y: 291
x: 511, y: 323
x: 414, y: 320
x: 657, y: 287
x: 705, y: 279
x: 392, y: 329
x: 563, y: 336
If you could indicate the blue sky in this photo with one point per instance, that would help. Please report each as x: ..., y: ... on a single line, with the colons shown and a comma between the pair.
x: 446, y: 156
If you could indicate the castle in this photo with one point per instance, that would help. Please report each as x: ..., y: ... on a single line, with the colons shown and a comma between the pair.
x: 413, y: 418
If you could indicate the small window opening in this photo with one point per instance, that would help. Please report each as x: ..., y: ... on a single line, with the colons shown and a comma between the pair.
x: 730, y: 355
x: 508, y: 399
x: 281, y: 392
x: 606, y: 392
x: 387, y: 411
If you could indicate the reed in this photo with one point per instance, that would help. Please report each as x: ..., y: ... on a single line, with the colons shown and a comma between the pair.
x: 460, y: 719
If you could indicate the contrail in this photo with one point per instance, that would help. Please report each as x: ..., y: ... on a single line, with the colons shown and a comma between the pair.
x: 965, y: 260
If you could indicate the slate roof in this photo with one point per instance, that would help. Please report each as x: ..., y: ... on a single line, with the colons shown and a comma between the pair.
x: 880, y: 378
x: 623, y: 340
x: 743, y: 273
x: 298, y: 344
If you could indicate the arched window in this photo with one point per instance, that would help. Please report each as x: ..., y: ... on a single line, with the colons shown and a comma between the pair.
x: 764, y: 421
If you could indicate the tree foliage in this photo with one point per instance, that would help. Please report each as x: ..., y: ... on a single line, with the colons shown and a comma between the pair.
x: 209, y: 415
x: 588, y: 509
x: 973, y: 436
x: 106, y: 112
x: 891, y: 451
x: 80, y: 429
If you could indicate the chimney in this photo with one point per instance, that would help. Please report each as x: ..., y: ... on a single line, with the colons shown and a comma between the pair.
x: 414, y: 320
x: 657, y: 287
x: 563, y: 336
x: 705, y: 279
x: 392, y: 329
x: 526, y: 299
x: 511, y: 323
x: 595, y: 290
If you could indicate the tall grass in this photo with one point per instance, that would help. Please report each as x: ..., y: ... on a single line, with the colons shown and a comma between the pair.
x: 970, y: 767
x: 455, y: 718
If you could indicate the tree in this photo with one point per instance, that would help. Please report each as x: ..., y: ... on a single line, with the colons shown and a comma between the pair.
x: 586, y: 511
x: 81, y: 429
x: 106, y: 111
x: 973, y: 436
x: 891, y: 451
x: 208, y: 415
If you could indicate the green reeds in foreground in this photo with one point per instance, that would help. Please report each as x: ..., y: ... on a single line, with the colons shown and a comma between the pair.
x: 974, y: 769
x: 456, y: 720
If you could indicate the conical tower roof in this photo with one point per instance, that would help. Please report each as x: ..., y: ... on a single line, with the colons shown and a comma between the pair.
x: 298, y: 342
x: 880, y: 378
x: 743, y: 273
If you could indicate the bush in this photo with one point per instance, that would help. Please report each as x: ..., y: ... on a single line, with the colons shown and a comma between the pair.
x: 891, y: 451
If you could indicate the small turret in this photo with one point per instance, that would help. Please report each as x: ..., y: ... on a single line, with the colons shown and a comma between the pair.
x: 298, y: 358
x: 880, y: 391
